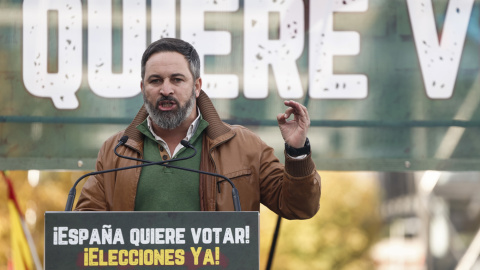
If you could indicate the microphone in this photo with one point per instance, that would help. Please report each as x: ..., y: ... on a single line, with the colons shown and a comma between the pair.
x: 122, y: 141
x: 235, y: 195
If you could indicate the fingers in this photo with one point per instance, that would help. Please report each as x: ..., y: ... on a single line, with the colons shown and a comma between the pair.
x: 297, y: 109
x: 281, y: 119
x: 289, y: 112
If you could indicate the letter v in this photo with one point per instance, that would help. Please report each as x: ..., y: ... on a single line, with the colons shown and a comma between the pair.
x: 439, y: 60
x: 196, y: 235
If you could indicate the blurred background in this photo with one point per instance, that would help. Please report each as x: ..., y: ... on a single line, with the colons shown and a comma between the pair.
x: 392, y: 89
x: 367, y: 220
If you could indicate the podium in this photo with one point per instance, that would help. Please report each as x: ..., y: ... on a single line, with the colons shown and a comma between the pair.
x: 151, y: 240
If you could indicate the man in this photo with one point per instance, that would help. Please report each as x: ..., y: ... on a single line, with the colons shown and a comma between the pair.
x: 175, y: 108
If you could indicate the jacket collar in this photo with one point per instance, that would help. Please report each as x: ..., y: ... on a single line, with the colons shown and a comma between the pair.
x: 217, y: 131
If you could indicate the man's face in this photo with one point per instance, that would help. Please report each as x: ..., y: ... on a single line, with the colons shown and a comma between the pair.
x: 169, y: 91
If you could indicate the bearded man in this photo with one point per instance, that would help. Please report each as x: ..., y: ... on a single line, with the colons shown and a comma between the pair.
x: 175, y: 109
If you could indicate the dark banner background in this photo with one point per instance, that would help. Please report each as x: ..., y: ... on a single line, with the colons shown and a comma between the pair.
x: 229, y: 256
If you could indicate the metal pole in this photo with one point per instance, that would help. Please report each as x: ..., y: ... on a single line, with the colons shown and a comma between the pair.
x: 274, y: 243
x: 471, y: 255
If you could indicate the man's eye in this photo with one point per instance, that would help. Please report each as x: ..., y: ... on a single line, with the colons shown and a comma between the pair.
x: 177, y: 80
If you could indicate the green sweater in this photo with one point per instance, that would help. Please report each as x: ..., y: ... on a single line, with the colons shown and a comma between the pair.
x: 167, y: 189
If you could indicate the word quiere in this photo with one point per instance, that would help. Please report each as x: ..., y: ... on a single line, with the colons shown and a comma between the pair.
x: 149, y: 236
x: 140, y: 257
x: 439, y: 59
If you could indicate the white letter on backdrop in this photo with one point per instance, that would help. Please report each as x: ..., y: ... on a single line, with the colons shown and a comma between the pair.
x: 163, y: 19
x: 60, y: 86
x: 325, y: 43
x: 209, y: 43
x: 439, y: 61
x: 281, y: 54
x: 101, y: 78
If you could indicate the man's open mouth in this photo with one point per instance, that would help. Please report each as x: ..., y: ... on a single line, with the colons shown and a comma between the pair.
x: 167, y: 104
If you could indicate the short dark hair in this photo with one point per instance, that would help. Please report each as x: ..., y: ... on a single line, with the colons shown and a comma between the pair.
x: 174, y: 45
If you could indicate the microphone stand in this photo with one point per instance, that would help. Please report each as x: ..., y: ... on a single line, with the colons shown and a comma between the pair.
x: 73, y: 191
x: 235, y: 195
x: 274, y: 244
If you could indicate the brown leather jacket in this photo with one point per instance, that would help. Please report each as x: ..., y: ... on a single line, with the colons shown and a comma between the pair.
x: 292, y: 191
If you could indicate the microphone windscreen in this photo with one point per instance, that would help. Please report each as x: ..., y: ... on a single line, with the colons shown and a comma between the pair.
x: 124, y: 139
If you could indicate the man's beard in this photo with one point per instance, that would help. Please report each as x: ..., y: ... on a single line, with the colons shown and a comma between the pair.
x: 169, y: 119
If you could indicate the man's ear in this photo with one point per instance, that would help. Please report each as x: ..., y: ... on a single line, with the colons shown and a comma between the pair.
x: 198, y: 86
x: 141, y: 86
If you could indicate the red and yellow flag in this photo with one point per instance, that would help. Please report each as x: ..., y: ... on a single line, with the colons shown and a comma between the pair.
x: 24, y: 255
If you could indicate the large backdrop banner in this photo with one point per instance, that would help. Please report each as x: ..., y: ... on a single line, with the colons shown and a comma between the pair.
x: 390, y: 85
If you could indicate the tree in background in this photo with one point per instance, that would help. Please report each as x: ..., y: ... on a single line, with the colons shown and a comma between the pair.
x: 339, y: 236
